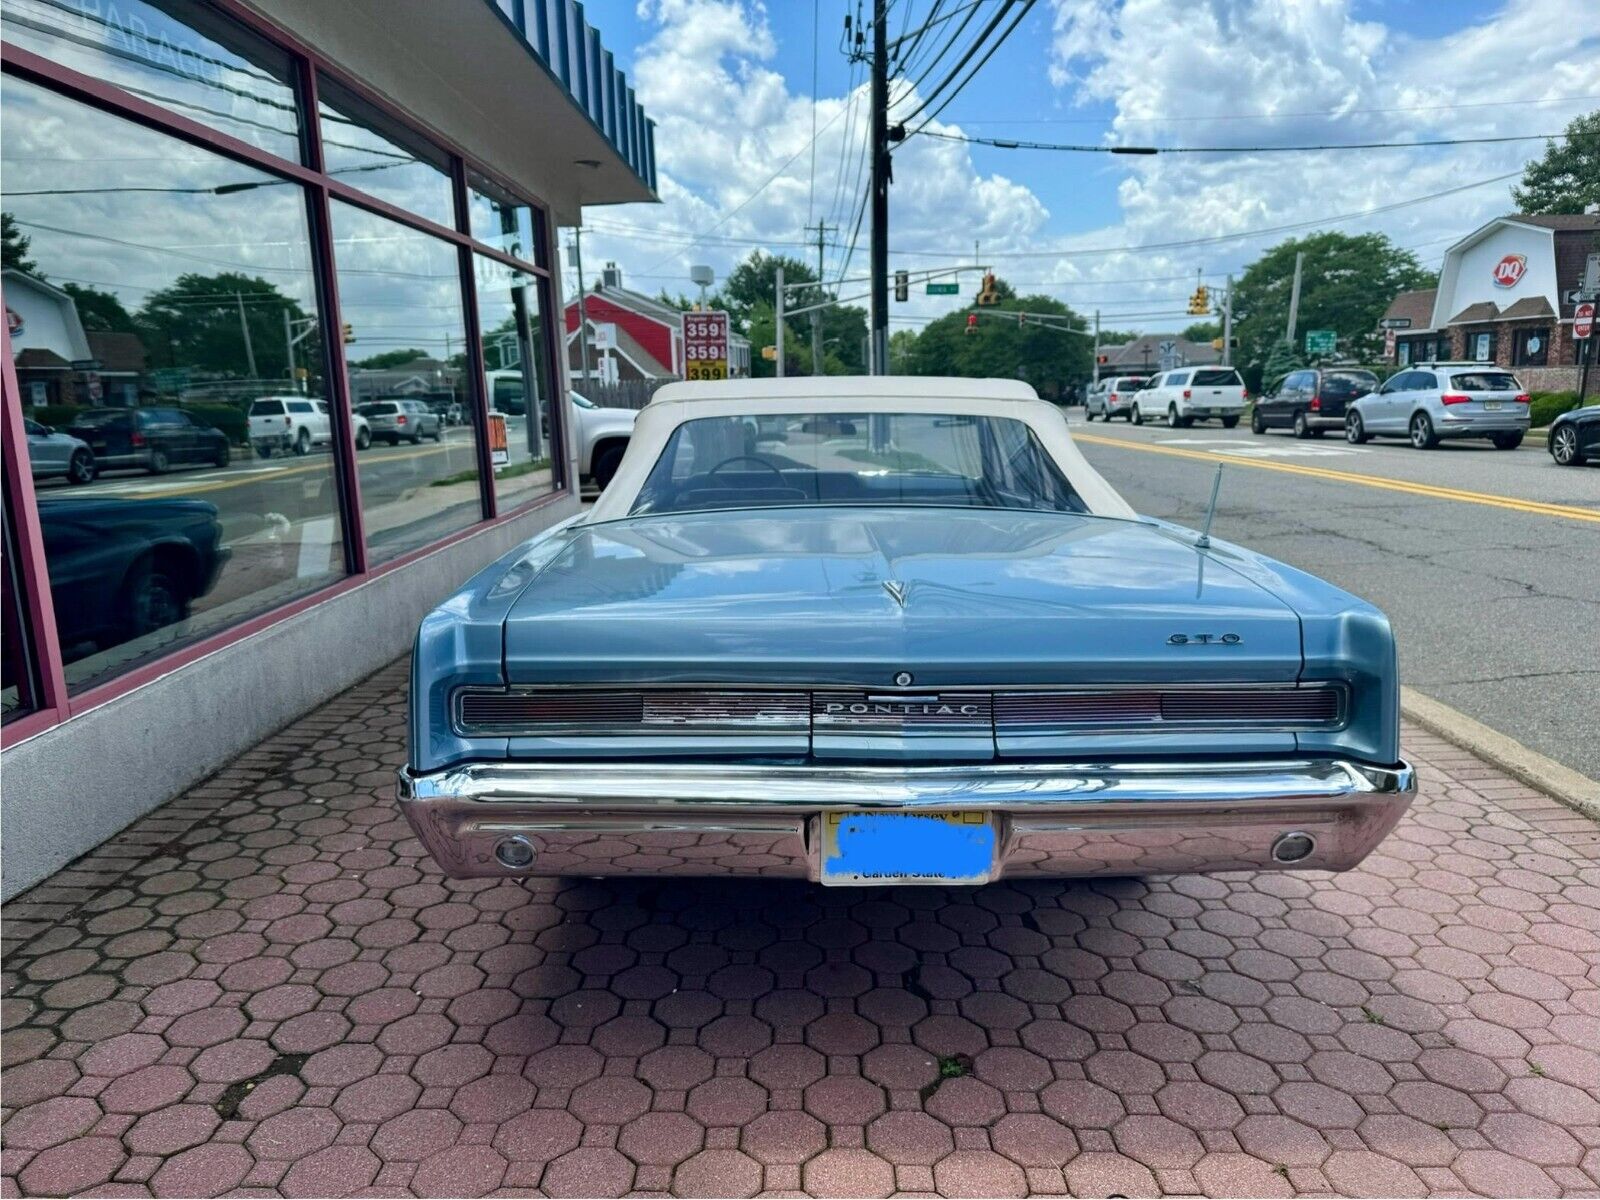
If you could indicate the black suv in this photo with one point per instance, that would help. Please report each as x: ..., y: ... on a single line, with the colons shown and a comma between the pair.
x: 156, y: 439
x: 1312, y: 401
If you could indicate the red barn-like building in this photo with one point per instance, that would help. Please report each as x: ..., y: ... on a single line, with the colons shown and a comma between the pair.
x: 650, y: 333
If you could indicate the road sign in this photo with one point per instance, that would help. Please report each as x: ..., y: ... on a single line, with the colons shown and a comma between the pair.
x: 1321, y: 341
x: 705, y: 345
x: 1583, y: 321
x: 944, y: 289
x: 1591, y: 272
x: 499, y: 445
x: 1395, y: 323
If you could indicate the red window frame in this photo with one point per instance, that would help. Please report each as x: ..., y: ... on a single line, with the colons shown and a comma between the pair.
x: 53, y: 703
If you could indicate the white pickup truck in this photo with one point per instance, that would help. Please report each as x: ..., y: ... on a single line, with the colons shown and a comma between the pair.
x: 1188, y: 394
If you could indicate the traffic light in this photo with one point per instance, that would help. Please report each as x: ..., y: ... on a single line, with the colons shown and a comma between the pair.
x: 1022, y: 319
x: 1103, y: 359
x: 972, y: 322
x: 902, y: 285
x: 1216, y: 343
x: 770, y: 353
x: 1200, y: 302
x: 348, y: 332
x: 987, y: 294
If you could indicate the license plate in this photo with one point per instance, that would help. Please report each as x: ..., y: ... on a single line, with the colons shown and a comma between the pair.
x: 902, y: 847
x: 1491, y: 405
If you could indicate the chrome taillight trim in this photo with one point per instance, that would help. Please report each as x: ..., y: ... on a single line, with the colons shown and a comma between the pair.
x: 1062, y: 710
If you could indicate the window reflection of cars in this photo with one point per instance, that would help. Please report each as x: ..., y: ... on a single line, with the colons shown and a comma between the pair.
x: 120, y: 569
x: 601, y: 435
x: 396, y: 421
x: 154, y: 439
x: 54, y: 454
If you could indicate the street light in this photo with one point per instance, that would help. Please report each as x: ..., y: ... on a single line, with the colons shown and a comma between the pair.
x: 705, y: 277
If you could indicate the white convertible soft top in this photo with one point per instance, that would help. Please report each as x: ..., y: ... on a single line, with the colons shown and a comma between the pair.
x: 680, y: 402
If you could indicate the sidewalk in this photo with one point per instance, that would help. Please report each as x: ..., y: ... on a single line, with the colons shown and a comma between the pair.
x: 263, y: 986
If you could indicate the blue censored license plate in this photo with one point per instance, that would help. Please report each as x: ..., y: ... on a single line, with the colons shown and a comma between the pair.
x: 902, y: 847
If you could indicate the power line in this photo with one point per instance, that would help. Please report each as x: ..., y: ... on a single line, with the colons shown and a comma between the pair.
x: 1017, y: 144
x: 1223, y: 237
x: 1027, y: 6
x: 811, y: 192
x: 977, y: 43
x: 1331, y: 112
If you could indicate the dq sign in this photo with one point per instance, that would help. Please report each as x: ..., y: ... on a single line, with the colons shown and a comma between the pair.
x: 1509, y: 270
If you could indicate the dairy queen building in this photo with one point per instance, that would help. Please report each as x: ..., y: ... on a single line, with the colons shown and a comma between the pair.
x: 1505, y: 296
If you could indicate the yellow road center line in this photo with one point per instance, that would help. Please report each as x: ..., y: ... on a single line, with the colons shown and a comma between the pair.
x: 1432, y: 491
x: 245, y: 479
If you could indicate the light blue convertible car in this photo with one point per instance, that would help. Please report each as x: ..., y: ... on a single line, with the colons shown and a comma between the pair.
x: 879, y: 631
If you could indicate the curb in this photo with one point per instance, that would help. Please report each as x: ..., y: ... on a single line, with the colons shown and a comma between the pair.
x: 1576, y: 791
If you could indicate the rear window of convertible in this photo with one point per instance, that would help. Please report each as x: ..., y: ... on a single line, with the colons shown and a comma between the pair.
x: 784, y: 460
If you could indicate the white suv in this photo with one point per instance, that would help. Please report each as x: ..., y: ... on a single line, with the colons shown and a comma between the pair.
x: 1191, y: 394
x: 288, y: 423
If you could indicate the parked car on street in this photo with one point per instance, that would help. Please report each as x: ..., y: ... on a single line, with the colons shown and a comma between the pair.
x: 1113, y: 397
x: 1435, y: 400
x: 52, y: 454
x: 1191, y: 394
x: 1310, y: 402
x: 399, y: 420
x: 938, y: 649
x: 155, y: 439
x: 1574, y: 436
x: 288, y: 423
x: 601, y: 435
x: 120, y: 569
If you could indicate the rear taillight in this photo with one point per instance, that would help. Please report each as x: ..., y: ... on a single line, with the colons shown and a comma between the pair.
x: 400, y: 420
x: 1113, y: 397
x: 1316, y: 404
x: 1524, y: 398
x: 137, y: 439
x: 1454, y: 398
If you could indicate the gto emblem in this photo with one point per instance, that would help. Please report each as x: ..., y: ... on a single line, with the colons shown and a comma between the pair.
x: 1204, y: 639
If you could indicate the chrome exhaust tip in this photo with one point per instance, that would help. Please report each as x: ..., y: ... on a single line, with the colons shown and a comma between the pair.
x: 1293, y: 847
x: 514, y: 852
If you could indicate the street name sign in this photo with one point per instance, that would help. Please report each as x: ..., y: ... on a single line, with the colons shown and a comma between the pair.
x: 705, y: 345
x: 1321, y: 341
x: 1395, y: 323
x: 944, y: 289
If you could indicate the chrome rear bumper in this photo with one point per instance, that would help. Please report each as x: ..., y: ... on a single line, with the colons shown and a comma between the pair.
x: 1052, y: 820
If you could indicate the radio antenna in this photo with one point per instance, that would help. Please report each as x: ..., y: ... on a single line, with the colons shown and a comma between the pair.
x: 1211, y: 511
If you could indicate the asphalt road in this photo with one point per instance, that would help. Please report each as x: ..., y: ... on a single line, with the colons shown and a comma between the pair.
x: 1487, y: 561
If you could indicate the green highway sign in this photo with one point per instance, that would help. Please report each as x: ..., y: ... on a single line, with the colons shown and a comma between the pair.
x: 944, y: 289
x: 1321, y: 341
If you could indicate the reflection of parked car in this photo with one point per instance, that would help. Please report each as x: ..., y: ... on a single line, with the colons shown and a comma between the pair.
x: 358, y: 424
x: 1574, y: 436
x: 1310, y: 402
x: 1113, y: 397
x: 601, y: 436
x: 289, y: 423
x: 941, y: 650
x: 1437, y: 400
x: 156, y: 439
x: 120, y: 569
x: 396, y: 421
x: 52, y: 453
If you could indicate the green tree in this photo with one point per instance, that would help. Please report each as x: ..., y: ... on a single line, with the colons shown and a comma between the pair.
x: 1116, y: 337
x: 100, y: 311
x: 1007, y: 346
x: 390, y: 358
x: 14, y: 246
x: 1347, y: 282
x: 1281, y: 359
x: 1566, y: 178
x: 199, y: 321
x: 1202, y: 331
x: 747, y: 295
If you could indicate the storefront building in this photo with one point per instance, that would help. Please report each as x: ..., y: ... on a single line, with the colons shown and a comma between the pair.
x: 258, y: 261
x: 1503, y: 297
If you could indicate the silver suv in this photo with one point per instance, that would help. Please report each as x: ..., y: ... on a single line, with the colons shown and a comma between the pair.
x: 1433, y: 400
x: 396, y: 421
x: 1113, y: 397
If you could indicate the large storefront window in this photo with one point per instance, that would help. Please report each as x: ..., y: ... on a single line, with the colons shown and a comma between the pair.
x: 18, y: 679
x: 365, y: 148
x: 500, y: 220
x: 158, y: 295
x: 176, y: 53
x: 516, y: 367
x: 1532, y: 348
x: 400, y: 301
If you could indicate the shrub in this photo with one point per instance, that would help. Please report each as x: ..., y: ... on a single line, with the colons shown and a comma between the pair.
x: 58, y: 416
x: 1547, y: 406
x: 229, y: 418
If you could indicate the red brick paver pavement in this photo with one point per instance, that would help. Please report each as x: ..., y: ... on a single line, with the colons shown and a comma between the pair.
x: 264, y: 987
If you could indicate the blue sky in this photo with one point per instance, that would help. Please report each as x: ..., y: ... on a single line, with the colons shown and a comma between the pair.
x: 731, y: 84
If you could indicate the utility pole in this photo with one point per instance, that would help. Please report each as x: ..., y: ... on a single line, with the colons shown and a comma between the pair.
x: 1227, y: 325
x: 1097, y: 345
x: 1294, y: 298
x: 244, y: 326
x: 880, y: 192
x: 288, y: 342
x: 777, y: 319
x: 816, y: 317
x: 583, y: 315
